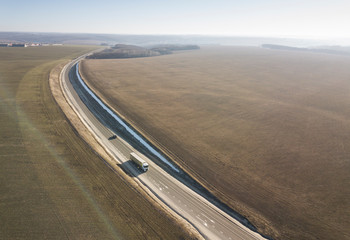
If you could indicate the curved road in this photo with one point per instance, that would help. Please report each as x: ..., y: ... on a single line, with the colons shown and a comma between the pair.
x: 209, y: 220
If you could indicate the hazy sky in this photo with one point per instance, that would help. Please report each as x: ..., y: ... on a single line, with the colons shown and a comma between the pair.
x: 298, y: 18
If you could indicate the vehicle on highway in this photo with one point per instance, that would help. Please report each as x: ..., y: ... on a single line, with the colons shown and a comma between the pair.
x: 112, y: 137
x: 142, y: 164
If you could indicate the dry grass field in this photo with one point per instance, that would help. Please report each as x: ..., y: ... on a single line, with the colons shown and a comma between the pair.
x: 52, y: 184
x: 267, y: 131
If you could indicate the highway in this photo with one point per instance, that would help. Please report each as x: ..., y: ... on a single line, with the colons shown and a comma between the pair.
x: 208, y: 219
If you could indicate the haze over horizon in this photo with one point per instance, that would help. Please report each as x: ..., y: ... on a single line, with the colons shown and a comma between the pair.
x: 290, y: 18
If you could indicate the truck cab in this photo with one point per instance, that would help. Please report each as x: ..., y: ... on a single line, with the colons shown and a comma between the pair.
x: 145, y: 167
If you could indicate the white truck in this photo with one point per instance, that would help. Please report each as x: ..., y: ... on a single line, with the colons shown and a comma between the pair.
x: 139, y: 161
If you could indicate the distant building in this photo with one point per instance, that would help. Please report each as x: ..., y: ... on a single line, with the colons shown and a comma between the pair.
x: 22, y: 44
x: 18, y: 45
x: 34, y: 44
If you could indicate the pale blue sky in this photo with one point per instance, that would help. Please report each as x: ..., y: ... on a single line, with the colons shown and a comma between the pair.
x: 292, y: 18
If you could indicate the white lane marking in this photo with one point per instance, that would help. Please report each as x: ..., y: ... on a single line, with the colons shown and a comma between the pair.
x: 203, y: 221
x: 164, y: 186
x: 207, y: 218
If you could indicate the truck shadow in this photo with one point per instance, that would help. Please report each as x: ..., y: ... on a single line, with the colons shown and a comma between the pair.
x: 130, y: 168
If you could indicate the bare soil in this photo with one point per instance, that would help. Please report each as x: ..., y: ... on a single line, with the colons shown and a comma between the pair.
x: 267, y: 131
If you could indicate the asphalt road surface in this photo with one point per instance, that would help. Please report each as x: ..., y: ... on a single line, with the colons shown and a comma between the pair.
x: 209, y: 220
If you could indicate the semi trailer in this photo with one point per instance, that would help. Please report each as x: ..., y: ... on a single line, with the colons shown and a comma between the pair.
x: 142, y: 164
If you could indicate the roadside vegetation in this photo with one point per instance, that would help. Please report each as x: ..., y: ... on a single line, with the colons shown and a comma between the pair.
x: 52, y: 184
x: 336, y: 50
x: 132, y: 51
x: 267, y: 131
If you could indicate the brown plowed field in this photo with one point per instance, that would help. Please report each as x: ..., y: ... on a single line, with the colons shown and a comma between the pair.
x: 267, y: 131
